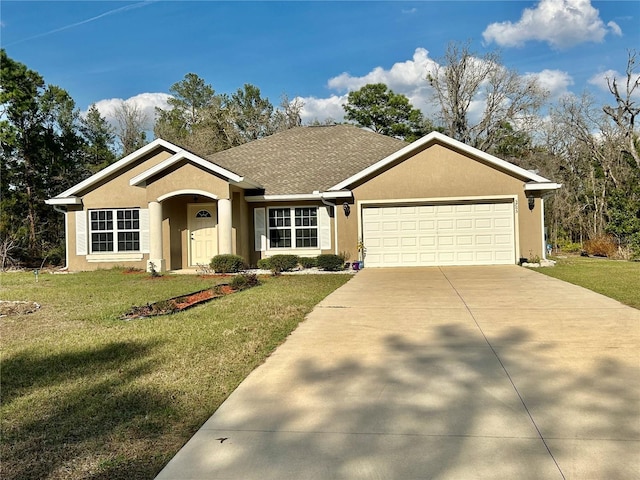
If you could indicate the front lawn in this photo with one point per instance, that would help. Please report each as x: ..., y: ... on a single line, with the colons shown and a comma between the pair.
x: 614, y: 278
x: 86, y: 395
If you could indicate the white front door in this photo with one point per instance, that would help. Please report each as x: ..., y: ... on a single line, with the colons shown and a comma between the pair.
x: 203, y: 235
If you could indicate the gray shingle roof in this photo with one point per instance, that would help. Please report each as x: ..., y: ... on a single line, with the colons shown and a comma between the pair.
x: 306, y: 159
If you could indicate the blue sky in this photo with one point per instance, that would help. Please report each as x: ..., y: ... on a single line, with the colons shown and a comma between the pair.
x: 107, y: 52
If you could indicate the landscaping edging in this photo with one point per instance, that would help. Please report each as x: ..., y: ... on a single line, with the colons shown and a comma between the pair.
x: 178, y: 304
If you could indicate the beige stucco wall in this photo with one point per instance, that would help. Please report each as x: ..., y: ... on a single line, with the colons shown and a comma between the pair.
x: 186, y: 176
x: 438, y: 173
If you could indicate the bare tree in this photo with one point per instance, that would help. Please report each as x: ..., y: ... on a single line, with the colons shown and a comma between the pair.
x: 624, y: 115
x: 464, y: 83
x: 288, y: 115
x: 132, y: 124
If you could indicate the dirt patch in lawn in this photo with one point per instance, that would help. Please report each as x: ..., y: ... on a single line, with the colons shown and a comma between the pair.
x: 8, y: 307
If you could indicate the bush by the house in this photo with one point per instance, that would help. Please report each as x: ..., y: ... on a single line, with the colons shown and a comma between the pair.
x: 264, y: 264
x: 243, y: 281
x: 330, y: 262
x: 308, y: 262
x: 601, y: 246
x: 227, y: 263
x: 283, y: 263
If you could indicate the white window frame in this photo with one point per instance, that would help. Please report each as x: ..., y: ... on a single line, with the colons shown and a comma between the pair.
x: 114, y: 230
x: 293, y: 228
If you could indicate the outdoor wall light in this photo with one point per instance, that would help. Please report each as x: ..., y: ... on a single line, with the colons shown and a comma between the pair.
x: 532, y: 203
x: 346, y: 208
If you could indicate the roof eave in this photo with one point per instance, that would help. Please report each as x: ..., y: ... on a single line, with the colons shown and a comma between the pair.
x: 64, y: 201
x: 317, y: 195
x: 542, y: 187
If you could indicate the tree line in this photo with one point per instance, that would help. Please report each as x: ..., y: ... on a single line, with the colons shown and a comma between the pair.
x: 593, y: 150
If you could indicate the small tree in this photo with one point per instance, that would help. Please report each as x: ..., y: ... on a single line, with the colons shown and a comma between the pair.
x: 377, y: 107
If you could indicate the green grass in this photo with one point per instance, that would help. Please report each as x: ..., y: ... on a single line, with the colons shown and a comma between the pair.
x: 614, y: 278
x: 86, y: 395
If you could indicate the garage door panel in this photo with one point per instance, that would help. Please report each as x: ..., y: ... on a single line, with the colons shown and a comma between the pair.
x: 464, y: 240
x: 427, y: 241
x: 409, y: 241
x: 464, y: 224
x: 457, y: 234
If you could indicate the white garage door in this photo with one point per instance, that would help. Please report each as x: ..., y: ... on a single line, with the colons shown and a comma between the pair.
x: 429, y: 235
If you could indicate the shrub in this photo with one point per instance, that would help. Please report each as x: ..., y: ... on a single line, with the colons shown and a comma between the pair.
x: 308, y: 262
x: 264, y: 264
x: 330, y: 262
x: 601, y: 246
x: 243, y: 281
x: 227, y: 263
x: 570, y: 247
x: 283, y: 263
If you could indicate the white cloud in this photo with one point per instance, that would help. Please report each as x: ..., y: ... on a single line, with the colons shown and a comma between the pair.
x: 561, y: 23
x: 408, y: 78
x: 599, y: 80
x: 556, y: 82
x: 146, y: 102
x: 409, y: 11
x: 615, y: 28
x: 323, y: 108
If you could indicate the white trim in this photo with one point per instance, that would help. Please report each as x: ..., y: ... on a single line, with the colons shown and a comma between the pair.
x: 64, y: 201
x: 434, y: 137
x: 299, y: 196
x: 187, y: 192
x: 300, y: 252
x: 184, y: 155
x: 535, y: 187
x: 114, y: 257
x: 338, y: 194
x: 435, y: 200
x: 117, y: 166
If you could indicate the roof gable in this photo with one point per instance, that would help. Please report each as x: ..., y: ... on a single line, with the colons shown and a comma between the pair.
x: 119, y: 165
x: 181, y: 155
x: 436, y: 137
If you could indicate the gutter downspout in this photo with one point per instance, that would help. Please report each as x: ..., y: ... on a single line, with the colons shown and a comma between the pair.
x: 335, y: 222
x: 66, y: 236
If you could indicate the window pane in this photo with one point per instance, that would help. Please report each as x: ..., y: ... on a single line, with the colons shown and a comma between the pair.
x: 306, y: 237
x: 306, y: 217
x: 279, y: 238
x: 128, y: 219
x: 102, y: 242
x: 101, y: 220
x: 128, y: 241
x: 279, y: 217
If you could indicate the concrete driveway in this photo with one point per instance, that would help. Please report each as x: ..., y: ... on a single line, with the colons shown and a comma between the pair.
x: 437, y: 373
